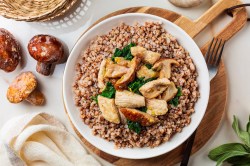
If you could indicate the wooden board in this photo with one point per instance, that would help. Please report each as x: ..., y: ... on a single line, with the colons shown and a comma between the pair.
x: 218, y: 92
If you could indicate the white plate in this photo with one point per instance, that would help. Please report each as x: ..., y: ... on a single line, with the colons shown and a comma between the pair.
x: 136, y: 153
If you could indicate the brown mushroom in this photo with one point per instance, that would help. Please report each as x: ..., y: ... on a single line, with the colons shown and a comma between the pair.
x: 154, y: 88
x: 47, y: 50
x: 10, y: 52
x: 24, y: 87
x: 164, y: 66
x: 170, y: 92
x: 137, y: 116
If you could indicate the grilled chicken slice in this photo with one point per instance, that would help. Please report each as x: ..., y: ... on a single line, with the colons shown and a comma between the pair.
x: 108, y: 109
x: 169, y: 93
x: 146, y: 73
x: 122, y: 61
x: 123, y: 118
x: 156, y: 107
x: 130, y: 75
x: 137, y: 116
x: 101, y: 74
x: 115, y: 71
x: 129, y: 99
x: 154, y: 88
x: 146, y: 56
x: 164, y: 66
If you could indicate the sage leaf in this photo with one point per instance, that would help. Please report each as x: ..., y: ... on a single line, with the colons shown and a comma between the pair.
x: 243, y: 135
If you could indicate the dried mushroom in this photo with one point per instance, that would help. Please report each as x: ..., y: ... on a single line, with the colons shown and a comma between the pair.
x: 154, y: 88
x: 146, y: 73
x: 101, y: 73
x: 47, y: 50
x: 146, y: 56
x: 115, y: 71
x: 164, y: 66
x: 24, y: 88
x: 108, y: 109
x: 137, y: 116
x: 170, y: 92
x: 130, y: 75
x: 156, y: 107
x: 10, y: 52
x: 129, y: 99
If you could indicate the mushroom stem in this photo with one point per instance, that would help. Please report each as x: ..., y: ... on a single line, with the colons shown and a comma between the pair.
x: 43, y: 68
x: 36, y: 97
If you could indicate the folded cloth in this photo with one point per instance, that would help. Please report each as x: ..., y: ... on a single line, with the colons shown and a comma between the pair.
x: 39, y: 139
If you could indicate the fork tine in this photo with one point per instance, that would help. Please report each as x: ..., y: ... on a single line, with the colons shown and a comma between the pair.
x: 216, y: 55
x: 211, y: 54
x: 208, y: 51
x: 220, y: 54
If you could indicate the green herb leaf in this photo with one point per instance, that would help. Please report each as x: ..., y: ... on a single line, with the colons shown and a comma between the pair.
x: 149, y: 66
x: 143, y: 109
x: 95, y: 98
x: 175, y: 100
x: 248, y: 126
x: 243, y: 135
x: 125, y: 52
x: 109, y: 91
x: 137, y: 83
x: 135, y: 126
x: 240, y: 160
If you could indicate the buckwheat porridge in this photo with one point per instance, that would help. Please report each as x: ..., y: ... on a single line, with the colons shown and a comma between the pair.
x: 136, y: 86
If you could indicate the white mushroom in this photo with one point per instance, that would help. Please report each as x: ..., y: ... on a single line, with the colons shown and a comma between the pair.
x: 101, y: 74
x: 146, y: 56
x: 154, y: 88
x: 130, y: 75
x: 156, y: 107
x: 146, y: 73
x: 186, y: 3
x: 129, y: 99
x: 108, y: 109
x: 115, y: 71
x: 164, y: 66
x: 137, y: 116
x: 170, y: 92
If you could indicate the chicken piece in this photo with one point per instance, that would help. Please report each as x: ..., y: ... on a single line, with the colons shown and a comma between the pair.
x: 169, y: 93
x: 154, y: 88
x: 108, y: 109
x: 138, y: 51
x: 115, y: 71
x: 151, y: 57
x: 129, y: 99
x: 122, y: 61
x: 101, y: 74
x: 156, y: 107
x: 146, y: 56
x: 123, y: 118
x: 146, y: 73
x: 137, y: 116
x: 130, y: 75
x: 164, y: 66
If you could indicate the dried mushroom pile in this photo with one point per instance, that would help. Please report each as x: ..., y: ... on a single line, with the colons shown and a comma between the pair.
x: 135, y: 87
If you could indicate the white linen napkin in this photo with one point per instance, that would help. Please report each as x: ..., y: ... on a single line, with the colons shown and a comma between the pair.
x: 39, y: 139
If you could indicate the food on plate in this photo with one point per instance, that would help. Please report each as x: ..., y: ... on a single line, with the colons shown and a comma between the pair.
x: 150, y: 102
x: 10, y: 52
x: 24, y: 87
x: 47, y: 50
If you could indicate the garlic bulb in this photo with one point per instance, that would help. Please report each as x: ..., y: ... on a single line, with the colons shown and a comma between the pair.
x: 186, y: 3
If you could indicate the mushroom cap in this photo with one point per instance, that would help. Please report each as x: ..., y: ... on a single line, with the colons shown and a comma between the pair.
x: 21, y: 87
x: 45, y: 49
x: 10, y: 52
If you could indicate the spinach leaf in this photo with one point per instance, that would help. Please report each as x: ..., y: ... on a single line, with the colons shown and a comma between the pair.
x: 143, y: 109
x: 149, y: 66
x: 175, y: 100
x: 109, y: 91
x: 137, y: 83
x: 135, y: 126
x: 243, y: 135
x: 95, y: 98
x: 125, y: 52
